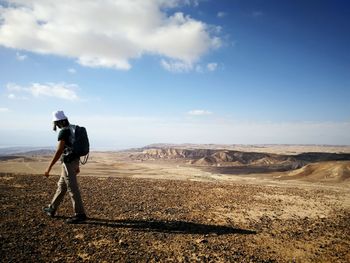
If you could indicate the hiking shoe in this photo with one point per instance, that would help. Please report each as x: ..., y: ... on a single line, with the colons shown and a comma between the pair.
x: 49, y: 211
x: 76, y: 219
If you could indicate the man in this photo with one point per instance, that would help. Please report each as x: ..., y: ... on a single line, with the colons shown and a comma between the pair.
x: 70, y: 169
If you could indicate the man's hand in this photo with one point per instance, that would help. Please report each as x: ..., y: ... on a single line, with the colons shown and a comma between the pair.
x: 59, y: 151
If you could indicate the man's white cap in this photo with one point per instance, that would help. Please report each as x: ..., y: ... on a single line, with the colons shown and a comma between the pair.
x: 58, y: 115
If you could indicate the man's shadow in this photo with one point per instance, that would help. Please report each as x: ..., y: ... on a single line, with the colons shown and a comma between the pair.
x: 174, y: 227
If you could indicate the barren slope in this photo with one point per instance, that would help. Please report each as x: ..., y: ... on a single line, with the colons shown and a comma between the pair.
x: 140, y: 220
x: 323, y: 172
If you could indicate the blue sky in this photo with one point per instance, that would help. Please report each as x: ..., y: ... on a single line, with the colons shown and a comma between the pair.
x: 233, y: 72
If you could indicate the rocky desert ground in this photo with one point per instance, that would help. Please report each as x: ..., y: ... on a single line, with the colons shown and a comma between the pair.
x: 183, y: 203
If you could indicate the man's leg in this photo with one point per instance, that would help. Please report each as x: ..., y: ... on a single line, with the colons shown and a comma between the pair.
x: 73, y: 187
x: 60, y: 192
x: 58, y: 197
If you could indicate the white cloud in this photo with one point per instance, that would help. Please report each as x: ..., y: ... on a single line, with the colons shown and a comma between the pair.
x: 176, y: 66
x: 212, y: 66
x: 56, y: 90
x: 4, y: 109
x: 13, y: 87
x: 72, y: 70
x: 221, y: 14
x: 199, y: 112
x: 106, y: 33
x: 59, y: 90
x: 20, y: 57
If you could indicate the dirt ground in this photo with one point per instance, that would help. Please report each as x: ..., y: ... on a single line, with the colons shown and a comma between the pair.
x: 198, y: 219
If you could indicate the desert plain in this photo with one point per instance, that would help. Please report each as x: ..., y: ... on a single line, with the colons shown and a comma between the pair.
x: 183, y: 203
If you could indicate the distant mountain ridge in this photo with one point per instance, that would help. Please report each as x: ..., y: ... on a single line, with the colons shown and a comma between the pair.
x: 25, y: 151
x: 228, y: 146
x: 219, y: 157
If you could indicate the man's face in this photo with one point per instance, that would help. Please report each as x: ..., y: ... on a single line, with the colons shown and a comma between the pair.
x: 59, y: 125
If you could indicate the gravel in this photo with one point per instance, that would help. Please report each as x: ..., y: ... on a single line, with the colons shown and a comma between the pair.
x: 147, y: 220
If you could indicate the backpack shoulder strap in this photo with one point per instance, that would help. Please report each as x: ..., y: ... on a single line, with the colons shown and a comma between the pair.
x: 72, y: 129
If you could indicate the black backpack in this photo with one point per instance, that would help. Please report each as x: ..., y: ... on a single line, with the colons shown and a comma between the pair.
x: 80, y: 142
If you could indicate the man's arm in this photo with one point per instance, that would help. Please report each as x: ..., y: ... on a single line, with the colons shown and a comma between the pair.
x: 59, y: 151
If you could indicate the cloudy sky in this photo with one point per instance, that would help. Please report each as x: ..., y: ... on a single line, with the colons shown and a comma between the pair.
x: 177, y: 71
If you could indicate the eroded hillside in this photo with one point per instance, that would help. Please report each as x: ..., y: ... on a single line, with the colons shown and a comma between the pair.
x: 217, y: 157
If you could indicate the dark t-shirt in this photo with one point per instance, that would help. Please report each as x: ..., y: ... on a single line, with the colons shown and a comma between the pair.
x: 64, y: 135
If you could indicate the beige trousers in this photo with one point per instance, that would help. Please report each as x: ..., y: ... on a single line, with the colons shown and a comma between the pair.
x: 68, y: 182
